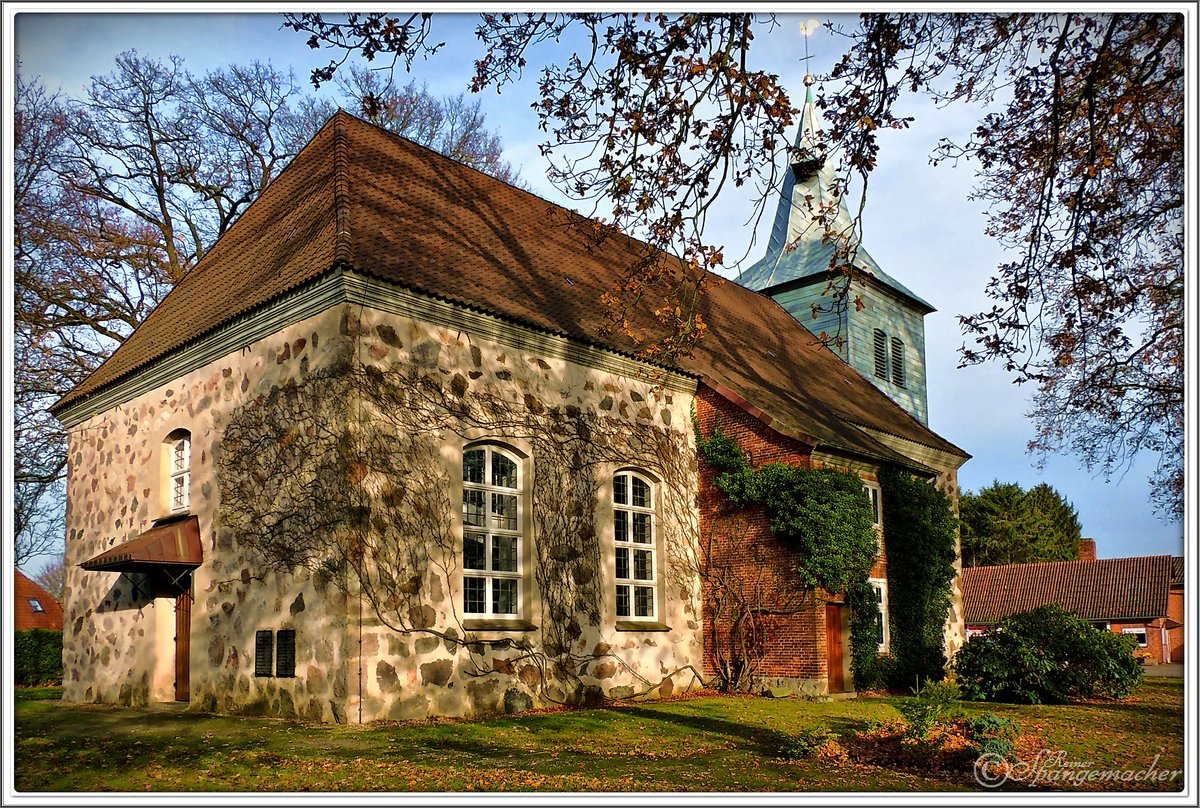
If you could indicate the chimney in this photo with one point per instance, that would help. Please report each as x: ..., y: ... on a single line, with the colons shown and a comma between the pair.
x: 1087, y: 549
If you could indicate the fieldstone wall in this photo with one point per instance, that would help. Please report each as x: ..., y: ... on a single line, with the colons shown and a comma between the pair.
x: 118, y: 637
x: 326, y: 476
x: 412, y: 398
x: 955, y: 630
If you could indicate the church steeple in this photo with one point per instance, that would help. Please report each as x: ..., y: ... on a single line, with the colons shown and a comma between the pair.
x: 885, y: 339
x: 809, y: 205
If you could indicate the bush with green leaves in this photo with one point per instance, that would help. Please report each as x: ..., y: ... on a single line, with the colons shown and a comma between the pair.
x: 993, y: 734
x: 935, y: 703
x: 1046, y: 656
x: 37, y: 657
x: 805, y: 743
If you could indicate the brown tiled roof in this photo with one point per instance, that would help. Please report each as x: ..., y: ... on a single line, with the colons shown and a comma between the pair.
x: 1107, y: 589
x: 26, y: 617
x: 369, y: 200
x: 1176, y: 570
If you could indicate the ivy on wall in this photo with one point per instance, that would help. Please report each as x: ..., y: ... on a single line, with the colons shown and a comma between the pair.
x: 343, y: 477
x: 823, y: 517
x: 919, y: 529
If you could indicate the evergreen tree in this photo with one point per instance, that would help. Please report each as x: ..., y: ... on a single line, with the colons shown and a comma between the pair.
x: 1005, y: 524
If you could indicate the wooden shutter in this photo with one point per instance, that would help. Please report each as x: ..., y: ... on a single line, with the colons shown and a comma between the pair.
x: 881, y: 364
x: 285, y: 652
x: 898, y: 362
x: 264, y: 652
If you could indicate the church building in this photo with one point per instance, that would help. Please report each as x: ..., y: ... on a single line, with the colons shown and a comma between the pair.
x: 376, y: 457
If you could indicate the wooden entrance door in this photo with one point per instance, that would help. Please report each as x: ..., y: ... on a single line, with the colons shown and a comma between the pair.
x: 183, y: 645
x: 833, y: 648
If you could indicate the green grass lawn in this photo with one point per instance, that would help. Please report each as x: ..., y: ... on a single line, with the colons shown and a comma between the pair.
x: 696, y: 744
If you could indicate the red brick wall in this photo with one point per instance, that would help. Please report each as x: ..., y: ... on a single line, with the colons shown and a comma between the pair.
x: 741, y: 555
x: 1153, y: 637
x: 1175, y: 612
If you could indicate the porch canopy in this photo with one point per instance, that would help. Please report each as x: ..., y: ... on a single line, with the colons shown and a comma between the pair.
x: 174, y: 544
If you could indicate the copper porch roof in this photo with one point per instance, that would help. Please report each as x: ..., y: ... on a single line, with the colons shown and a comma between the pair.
x: 360, y: 197
x: 176, y: 544
x: 1107, y: 589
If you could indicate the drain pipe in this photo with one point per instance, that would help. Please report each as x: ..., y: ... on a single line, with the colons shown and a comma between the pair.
x: 360, y: 653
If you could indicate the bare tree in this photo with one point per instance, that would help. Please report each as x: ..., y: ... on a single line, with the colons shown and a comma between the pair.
x: 116, y: 196
x: 452, y: 125
x: 120, y: 192
x: 52, y: 578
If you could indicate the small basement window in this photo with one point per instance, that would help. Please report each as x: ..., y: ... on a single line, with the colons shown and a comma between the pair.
x: 275, y: 653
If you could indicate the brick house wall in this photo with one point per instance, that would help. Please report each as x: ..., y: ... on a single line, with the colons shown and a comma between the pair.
x: 743, y: 556
x: 1175, y: 613
x: 1154, y: 639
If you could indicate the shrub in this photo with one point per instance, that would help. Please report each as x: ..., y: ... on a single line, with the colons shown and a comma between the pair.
x: 806, y: 743
x: 934, y: 704
x: 37, y: 657
x: 993, y: 734
x: 1046, y: 656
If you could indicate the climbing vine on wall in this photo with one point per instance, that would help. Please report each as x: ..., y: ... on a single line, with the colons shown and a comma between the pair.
x: 823, y: 517
x: 921, y: 534
x: 345, y: 476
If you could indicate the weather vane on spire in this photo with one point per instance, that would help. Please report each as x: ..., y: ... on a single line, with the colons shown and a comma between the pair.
x: 807, y: 29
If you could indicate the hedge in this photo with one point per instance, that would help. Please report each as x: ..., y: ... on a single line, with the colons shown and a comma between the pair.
x: 37, y: 657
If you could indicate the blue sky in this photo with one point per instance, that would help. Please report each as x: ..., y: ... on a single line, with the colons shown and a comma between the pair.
x: 918, y: 225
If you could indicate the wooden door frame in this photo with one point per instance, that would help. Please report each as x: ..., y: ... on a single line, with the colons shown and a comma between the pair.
x: 835, y: 664
x: 183, y: 628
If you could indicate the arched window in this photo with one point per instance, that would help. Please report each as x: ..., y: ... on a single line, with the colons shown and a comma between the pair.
x: 898, y: 362
x: 179, y: 469
x: 635, y: 564
x: 881, y: 361
x: 492, y: 529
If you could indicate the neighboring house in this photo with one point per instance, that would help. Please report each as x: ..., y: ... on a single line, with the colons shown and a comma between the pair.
x: 1125, y: 595
x: 33, y: 606
x: 376, y: 457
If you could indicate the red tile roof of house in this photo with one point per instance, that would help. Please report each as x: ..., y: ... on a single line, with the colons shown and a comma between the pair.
x: 26, y: 615
x: 360, y: 197
x: 1176, y: 570
x: 1107, y: 589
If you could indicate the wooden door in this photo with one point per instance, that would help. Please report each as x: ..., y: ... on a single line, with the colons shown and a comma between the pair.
x: 183, y: 645
x: 833, y: 648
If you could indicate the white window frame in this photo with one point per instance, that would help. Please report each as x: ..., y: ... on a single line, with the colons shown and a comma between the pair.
x: 875, y: 496
x: 880, y: 586
x: 1145, y: 632
x: 624, y: 512
x: 490, y: 532
x: 179, y: 475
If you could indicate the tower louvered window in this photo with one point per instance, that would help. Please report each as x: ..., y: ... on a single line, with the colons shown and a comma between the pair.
x: 881, y: 361
x: 897, y: 362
